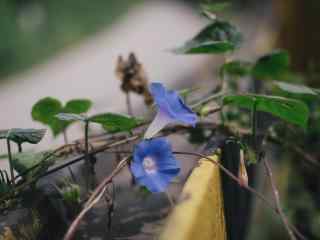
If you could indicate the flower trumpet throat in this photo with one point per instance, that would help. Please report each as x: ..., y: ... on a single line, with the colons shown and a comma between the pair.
x: 170, y: 109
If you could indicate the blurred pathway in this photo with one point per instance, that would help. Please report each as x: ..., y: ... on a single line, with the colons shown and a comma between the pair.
x: 87, y: 70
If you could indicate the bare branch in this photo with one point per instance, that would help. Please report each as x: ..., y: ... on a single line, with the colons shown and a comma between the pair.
x: 277, y: 199
x: 94, y: 198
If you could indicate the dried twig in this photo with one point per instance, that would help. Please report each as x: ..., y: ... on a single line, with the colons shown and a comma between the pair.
x: 277, y: 199
x: 129, y: 105
x: 94, y: 198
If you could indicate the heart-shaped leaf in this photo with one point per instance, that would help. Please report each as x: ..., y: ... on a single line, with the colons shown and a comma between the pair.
x: 217, y: 37
x: 19, y: 135
x: 26, y: 160
x: 77, y: 106
x: 272, y: 66
x: 290, y: 110
x: 46, y: 109
x: 115, y: 122
x: 70, y: 117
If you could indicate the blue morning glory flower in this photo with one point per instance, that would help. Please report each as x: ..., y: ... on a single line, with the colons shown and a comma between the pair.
x: 171, y: 109
x: 154, y: 164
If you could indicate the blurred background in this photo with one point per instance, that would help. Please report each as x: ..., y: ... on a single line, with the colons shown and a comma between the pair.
x: 68, y: 49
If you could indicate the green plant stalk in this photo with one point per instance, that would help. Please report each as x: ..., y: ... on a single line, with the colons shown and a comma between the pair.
x: 86, y: 152
x: 65, y: 136
x: 20, y: 147
x: 208, y: 99
x: 89, y: 165
x: 10, y: 161
x: 254, y: 125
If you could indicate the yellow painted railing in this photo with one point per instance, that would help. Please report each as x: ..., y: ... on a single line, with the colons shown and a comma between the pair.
x: 199, y: 213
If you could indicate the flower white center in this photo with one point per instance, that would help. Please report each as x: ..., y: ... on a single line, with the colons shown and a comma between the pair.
x: 149, y: 165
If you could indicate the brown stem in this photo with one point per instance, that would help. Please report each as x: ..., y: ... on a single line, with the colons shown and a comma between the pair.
x: 10, y: 162
x: 94, y: 198
x: 276, y: 196
x: 129, y: 105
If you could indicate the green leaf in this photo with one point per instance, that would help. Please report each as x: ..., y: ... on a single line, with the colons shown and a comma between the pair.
x: 115, y: 122
x: 295, y: 89
x: 23, y: 161
x: 217, y: 37
x: 4, y: 188
x: 290, y: 110
x: 70, y: 117
x: 236, y: 68
x: 19, y: 135
x: 71, y: 193
x: 215, y: 7
x: 272, y: 66
x: 46, y: 109
x: 77, y: 106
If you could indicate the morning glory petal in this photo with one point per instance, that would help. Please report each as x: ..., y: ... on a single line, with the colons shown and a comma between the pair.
x: 137, y: 169
x: 155, y: 183
x: 171, y: 109
x: 168, y: 164
x: 154, y: 164
x: 170, y: 172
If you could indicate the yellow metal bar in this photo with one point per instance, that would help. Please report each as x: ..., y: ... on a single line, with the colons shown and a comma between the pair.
x: 199, y: 213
